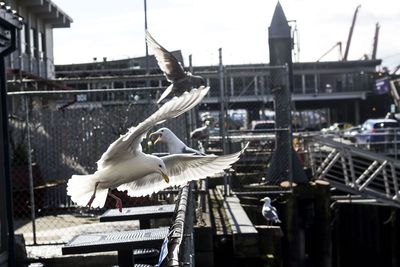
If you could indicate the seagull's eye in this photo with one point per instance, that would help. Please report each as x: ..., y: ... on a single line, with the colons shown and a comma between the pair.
x: 162, y: 131
x: 160, y: 166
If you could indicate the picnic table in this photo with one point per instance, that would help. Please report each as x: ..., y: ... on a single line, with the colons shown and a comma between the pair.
x: 124, y: 242
x: 143, y: 214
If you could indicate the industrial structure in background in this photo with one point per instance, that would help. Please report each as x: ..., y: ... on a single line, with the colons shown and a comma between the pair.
x: 317, y: 86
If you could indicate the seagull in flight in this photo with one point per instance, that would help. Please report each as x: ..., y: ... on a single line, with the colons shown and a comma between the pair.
x: 269, y: 212
x: 180, y: 79
x: 124, y: 166
x: 175, y: 145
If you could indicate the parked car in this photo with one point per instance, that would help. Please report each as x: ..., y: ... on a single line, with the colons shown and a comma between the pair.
x: 336, y: 128
x: 351, y: 132
x: 262, y: 127
x: 376, y: 133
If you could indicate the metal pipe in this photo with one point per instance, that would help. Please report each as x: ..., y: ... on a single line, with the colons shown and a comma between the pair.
x: 31, y: 186
x: 262, y: 192
x: 147, y: 48
x: 89, y: 91
x: 222, y: 117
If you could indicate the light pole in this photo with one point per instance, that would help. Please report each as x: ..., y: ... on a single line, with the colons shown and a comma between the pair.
x: 147, y: 48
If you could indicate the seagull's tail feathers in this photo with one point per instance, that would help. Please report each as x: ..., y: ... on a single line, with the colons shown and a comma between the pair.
x: 81, y: 187
x: 165, y: 93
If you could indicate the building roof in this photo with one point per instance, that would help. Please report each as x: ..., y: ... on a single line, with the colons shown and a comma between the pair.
x: 48, y: 11
x: 137, y: 63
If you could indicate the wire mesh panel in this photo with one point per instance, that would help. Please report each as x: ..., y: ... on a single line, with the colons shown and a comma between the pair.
x: 54, y: 136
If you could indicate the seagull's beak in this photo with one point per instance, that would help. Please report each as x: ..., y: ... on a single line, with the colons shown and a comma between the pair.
x: 166, y: 178
x: 155, y: 134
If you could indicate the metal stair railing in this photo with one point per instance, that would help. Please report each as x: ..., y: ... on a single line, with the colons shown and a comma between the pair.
x: 356, y: 171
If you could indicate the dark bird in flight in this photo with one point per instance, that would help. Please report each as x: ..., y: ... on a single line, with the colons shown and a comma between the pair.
x: 180, y: 79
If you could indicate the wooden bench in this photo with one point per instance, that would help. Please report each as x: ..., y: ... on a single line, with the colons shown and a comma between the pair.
x: 143, y: 214
x: 124, y: 242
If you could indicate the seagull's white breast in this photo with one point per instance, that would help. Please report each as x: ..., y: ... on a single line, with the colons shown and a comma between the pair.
x: 126, y: 171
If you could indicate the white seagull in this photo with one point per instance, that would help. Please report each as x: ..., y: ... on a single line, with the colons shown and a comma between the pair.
x: 174, y: 144
x: 124, y: 166
x: 180, y: 79
x: 269, y: 212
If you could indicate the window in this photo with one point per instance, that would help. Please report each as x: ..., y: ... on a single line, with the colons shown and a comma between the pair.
x: 41, y: 46
x: 310, y: 83
x: 33, y: 42
x: 22, y: 40
x: 297, y: 84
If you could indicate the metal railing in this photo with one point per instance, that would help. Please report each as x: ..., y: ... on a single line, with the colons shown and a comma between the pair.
x: 180, y: 243
x: 356, y: 171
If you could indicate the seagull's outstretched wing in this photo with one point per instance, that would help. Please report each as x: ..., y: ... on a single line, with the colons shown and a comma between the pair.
x: 185, y: 167
x: 129, y: 143
x: 188, y: 150
x: 172, y: 69
x: 181, y: 169
x: 147, y: 185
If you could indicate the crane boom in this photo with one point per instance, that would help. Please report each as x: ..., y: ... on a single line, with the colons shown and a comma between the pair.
x: 346, y: 52
x: 375, y: 43
x: 339, y: 44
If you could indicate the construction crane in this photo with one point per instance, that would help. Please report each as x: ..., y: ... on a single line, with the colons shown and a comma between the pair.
x: 346, y: 52
x: 338, y: 44
x: 375, y: 43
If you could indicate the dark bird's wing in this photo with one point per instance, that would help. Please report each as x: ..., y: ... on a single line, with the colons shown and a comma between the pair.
x: 129, y: 143
x: 168, y: 63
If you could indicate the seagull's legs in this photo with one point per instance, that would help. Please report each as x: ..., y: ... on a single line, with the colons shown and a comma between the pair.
x: 89, y: 204
x: 118, y: 203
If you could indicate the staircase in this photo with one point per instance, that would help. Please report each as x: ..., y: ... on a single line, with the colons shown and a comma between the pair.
x: 359, y: 172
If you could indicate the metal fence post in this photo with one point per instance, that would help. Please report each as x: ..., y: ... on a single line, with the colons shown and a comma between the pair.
x: 31, y: 186
x: 222, y: 115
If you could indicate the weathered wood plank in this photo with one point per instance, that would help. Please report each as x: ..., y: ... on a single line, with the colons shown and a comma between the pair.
x: 244, y: 234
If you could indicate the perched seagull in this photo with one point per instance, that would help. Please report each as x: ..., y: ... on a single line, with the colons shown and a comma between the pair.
x: 269, y: 212
x: 202, y: 132
x: 124, y: 166
x: 175, y: 145
x: 180, y: 79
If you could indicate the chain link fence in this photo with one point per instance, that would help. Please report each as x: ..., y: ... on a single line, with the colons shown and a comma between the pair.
x: 56, y: 135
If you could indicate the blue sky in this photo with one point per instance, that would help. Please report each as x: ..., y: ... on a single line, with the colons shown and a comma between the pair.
x: 115, y: 29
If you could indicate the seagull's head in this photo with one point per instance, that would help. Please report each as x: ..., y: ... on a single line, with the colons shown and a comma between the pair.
x: 162, y: 135
x: 162, y: 169
x: 267, y: 200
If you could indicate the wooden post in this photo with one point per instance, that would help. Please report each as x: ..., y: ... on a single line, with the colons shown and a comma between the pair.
x: 291, y: 241
x: 322, y: 253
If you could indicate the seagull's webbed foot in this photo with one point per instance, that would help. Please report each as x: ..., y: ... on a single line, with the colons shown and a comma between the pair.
x: 118, y: 203
x: 89, y: 204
